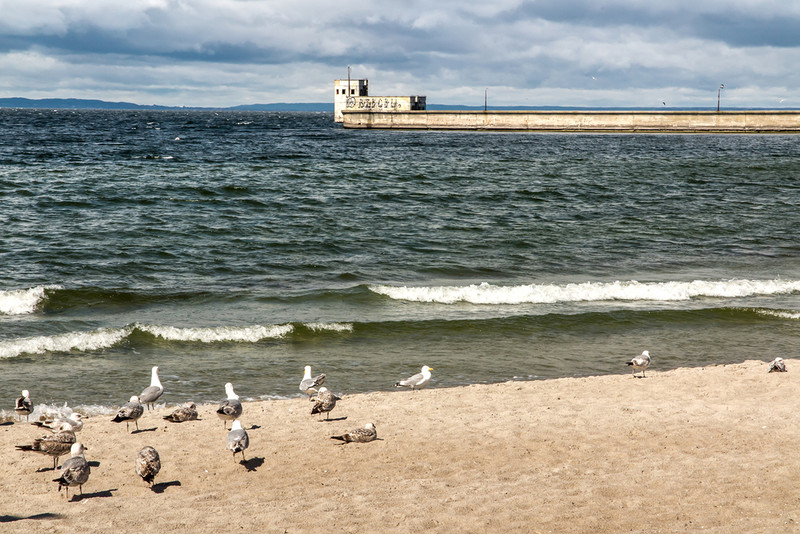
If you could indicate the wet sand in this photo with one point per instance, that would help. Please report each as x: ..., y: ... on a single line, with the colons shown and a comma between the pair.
x: 708, y: 449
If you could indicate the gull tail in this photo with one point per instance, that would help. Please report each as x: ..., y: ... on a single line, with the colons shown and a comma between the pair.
x: 340, y: 438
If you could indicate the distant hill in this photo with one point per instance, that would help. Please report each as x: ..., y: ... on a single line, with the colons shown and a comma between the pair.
x: 78, y: 103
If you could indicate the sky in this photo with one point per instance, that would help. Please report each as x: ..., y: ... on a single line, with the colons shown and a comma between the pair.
x: 222, y: 53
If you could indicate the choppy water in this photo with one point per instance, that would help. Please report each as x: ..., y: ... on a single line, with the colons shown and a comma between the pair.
x: 242, y: 246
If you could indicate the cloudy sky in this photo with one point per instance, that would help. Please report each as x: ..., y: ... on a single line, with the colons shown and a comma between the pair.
x: 536, y: 52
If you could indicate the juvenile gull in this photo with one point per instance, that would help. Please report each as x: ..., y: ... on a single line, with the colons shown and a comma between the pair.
x: 359, y: 435
x: 229, y: 409
x: 640, y: 363
x: 238, y: 439
x: 184, y: 413
x: 151, y: 393
x: 75, y: 421
x: 148, y: 464
x: 55, y: 445
x: 75, y: 471
x: 324, y: 403
x: 132, y: 411
x: 24, y: 406
x: 777, y: 366
x: 309, y: 385
x: 418, y: 380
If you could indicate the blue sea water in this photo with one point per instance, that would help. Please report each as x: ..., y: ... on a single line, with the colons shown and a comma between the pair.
x: 240, y: 246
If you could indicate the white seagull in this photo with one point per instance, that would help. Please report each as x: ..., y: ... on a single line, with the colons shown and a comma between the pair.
x: 148, y: 464
x: 151, y: 393
x: 359, y: 435
x: 238, y: 439
x: 640, y: 363
x: 132, y: 411
x: 418, y: 380
x: 777, y: 366
x: 24, y: 406
x: 75, y: 471
x: 309, y: 385
x: 75, y: 421
x: 230, y: 408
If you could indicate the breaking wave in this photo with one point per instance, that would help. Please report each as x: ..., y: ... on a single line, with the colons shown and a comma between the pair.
x: 23, y: 301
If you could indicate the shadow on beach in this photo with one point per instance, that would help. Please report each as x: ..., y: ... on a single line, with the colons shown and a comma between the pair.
x: 161, y: 487
x: 13, y: 518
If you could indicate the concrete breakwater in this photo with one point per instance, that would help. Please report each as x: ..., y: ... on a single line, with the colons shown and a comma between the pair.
x: 740, y: 121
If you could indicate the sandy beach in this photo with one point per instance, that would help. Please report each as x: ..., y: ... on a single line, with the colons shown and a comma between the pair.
x: 708, y: 449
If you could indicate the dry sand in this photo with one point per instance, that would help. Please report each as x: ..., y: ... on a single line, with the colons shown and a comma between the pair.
x: 709, y: 449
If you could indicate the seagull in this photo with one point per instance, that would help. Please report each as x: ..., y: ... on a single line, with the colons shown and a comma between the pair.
x: 237, y: 440
x: 777, y: 366
x: 359, y: 435
x: 640, y: 363
x: 230, y: 408
x: 184, y: 413
x: 148, y: 464
x: 151, y: 393
x: 75, y: 471
x: 132, y: 411
x: 418, y: 380
x: 309, y: 385
x: 325, y: 402
x: 24, y: 405
x: 55, y: 445
x: 75, y: 421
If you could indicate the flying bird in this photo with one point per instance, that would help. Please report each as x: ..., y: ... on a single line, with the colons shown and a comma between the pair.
x: 418, y: 380
x: 309, y: 385
x: 132, y: 411
x: 184, y: 413
x: 640, y: 363
x: 237, y: 440
x: 148, y: 464
x: 24, y: 406
x: 74, y: 420
x: 324, y: 403
x: 151, y: 393
x: 359, y: 435
x: 75, y: 471
x: 777, y: 366
x: 230, y: 408
x: 55, y: 445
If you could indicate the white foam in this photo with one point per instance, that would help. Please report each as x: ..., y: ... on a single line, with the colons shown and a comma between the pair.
x: 633, y: 290
x: 333, y: 327
x: 22, y: 301
x: 82, y: 341
x: 219, y: 333
x: 781, y: 314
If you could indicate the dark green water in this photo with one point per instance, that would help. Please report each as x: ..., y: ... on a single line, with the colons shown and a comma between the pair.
x: 239, y: 247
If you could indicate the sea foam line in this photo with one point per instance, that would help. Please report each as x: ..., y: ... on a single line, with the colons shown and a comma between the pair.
x: 219, y: 333
x: 23, y: 301
x: 633, y: 290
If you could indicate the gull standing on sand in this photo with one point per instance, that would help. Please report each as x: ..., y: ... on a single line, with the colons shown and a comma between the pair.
x: 75, y: 471
x: 238, y: 440
x: 148, y: 464
x: 151, y: 393
x: 75, y: 421
x: 640, y: 363
x: 132, y: 411
x: 184, y: 413
x: 777, y: 366
x: 55, y: 445
x: 309, y: 385
x: 230, y: 408
x: 325, y: 402
x: 24, y: 406
x: 418, y: 380
x: 359, y: 435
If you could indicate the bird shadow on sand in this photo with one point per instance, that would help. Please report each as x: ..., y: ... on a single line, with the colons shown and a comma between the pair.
x: 13, y: 518
x: 46, y: 469
x: 254, y: 427
x: 333, y: 419
x: 105, y: 493
x: 145, y: 430
x: 6, y: 423
x: 253, y: 464
x: 161, y: 487
x: 94, y: 463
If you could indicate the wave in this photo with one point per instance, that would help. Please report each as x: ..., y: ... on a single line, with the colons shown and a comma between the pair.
x: 633, y: 290
x: 24, y: 301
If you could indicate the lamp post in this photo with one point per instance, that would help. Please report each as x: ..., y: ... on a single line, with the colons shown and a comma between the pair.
x: 719, y: 91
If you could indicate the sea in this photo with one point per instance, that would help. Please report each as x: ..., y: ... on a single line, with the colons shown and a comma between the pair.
x: 241, y: 246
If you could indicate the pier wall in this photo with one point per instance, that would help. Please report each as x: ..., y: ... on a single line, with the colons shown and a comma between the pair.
x: 581, y: 121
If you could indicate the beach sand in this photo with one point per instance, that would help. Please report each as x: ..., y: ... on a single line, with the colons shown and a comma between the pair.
x: 710, y: 449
